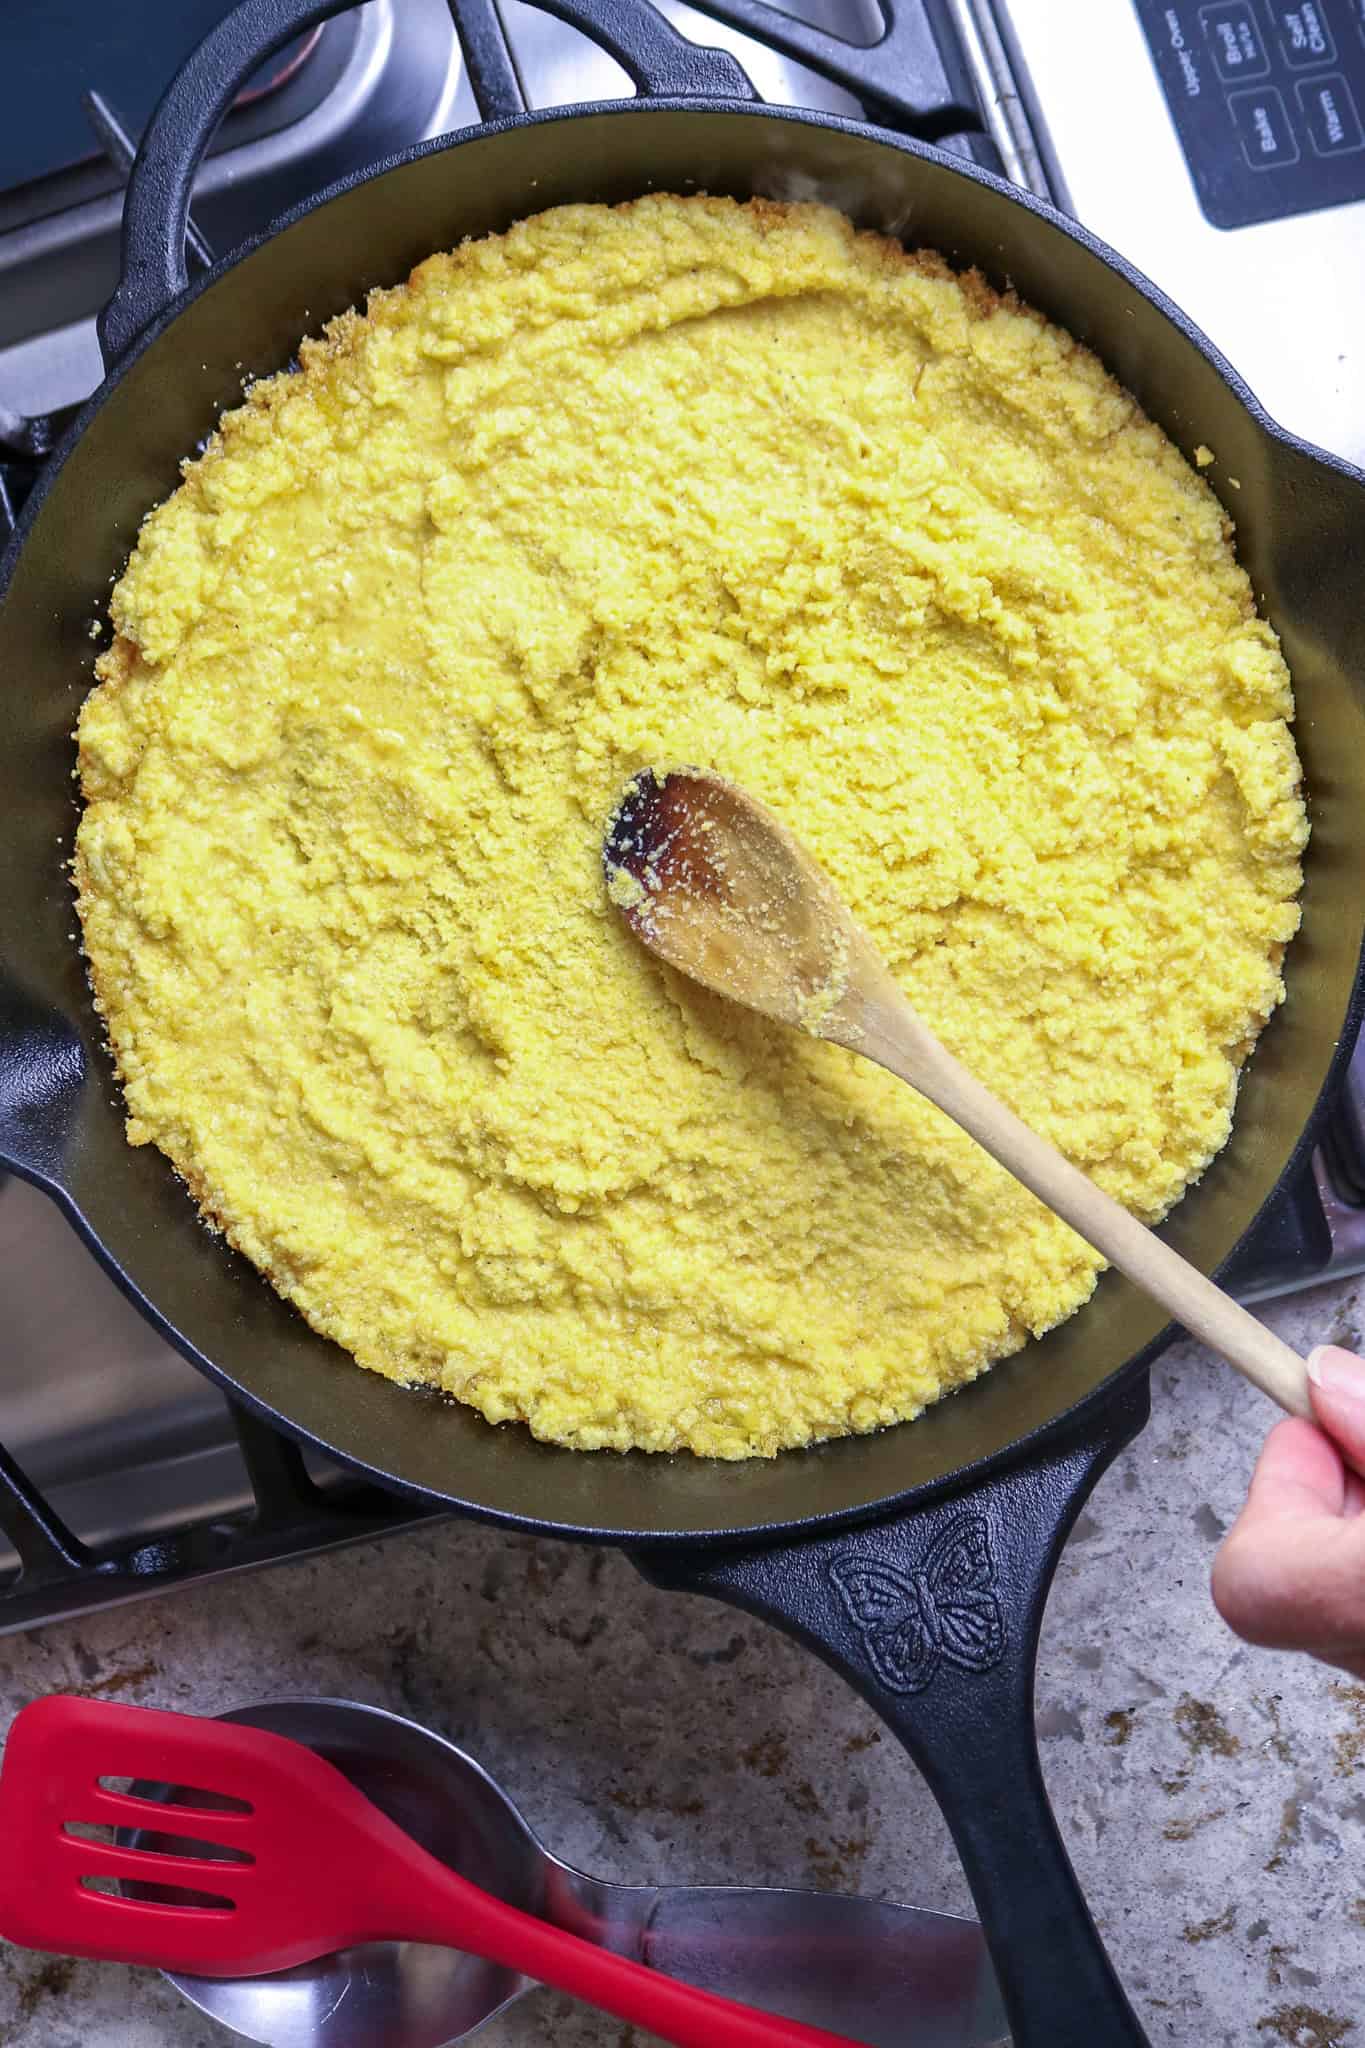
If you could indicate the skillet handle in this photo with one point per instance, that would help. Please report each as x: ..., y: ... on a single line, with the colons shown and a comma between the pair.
x: 659, y: 61
x: 934, y: 1619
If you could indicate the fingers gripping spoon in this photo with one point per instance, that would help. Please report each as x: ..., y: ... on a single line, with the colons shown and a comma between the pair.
x: 313, y: 1867
x: 711, y: 881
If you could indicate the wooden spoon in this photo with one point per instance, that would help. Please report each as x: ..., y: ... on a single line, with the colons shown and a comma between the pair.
x: 710, y: 881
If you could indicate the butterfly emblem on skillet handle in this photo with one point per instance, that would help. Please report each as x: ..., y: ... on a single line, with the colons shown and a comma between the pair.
x: 945, y: 1608
x: 933, y: 1615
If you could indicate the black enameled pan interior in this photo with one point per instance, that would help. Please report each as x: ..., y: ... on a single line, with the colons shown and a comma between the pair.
x: 1302, y: 535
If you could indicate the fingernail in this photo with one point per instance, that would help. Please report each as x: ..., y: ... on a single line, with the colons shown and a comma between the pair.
x: 1337, y: 1371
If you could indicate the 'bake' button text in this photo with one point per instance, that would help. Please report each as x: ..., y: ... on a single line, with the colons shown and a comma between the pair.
x: 1263, y: 124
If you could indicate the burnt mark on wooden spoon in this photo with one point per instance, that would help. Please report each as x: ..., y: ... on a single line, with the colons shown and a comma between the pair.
x: 661, y: 841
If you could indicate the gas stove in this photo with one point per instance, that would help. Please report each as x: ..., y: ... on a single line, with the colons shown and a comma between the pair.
x: 1219, y: 146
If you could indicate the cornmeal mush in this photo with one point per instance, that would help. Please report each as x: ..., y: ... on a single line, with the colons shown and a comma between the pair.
x: 683, y: 482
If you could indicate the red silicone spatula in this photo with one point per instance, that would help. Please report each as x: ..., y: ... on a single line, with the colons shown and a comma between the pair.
x: 296, y: 1865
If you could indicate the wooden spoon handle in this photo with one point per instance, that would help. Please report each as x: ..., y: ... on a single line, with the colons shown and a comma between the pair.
x: 898, y: 1039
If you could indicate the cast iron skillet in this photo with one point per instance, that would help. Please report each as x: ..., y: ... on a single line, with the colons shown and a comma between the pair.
x: 874, y: 1551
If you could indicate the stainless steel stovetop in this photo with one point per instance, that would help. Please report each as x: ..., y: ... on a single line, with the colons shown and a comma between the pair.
x: 1219, y: 146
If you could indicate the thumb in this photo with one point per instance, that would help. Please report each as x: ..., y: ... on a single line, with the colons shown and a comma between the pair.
x: 1336, y: 1388
x: 1291, y: 1571
x: 1299, y: 1477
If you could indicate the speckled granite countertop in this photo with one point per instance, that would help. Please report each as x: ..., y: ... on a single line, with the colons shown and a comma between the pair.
x: 1212, y: 1796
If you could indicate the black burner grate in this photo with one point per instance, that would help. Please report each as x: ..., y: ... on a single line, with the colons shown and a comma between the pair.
x: 289, y: 1516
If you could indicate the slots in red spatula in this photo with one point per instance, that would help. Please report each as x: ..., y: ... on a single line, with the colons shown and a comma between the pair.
x: 240, y: 1853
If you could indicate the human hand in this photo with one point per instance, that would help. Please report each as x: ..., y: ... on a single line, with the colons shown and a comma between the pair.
x: 1290, y: 1574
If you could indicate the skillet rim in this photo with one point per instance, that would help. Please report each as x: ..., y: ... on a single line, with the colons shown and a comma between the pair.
x: 1069, y: 1420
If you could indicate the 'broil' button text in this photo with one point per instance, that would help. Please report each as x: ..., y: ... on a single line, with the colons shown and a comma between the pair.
x: 1238, y: 51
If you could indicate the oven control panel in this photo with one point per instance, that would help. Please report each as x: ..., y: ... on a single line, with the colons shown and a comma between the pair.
x: 1268, y: 99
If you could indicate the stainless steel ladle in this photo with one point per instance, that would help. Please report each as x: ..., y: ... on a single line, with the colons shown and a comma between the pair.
x: 893, y: 1976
